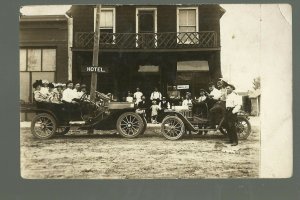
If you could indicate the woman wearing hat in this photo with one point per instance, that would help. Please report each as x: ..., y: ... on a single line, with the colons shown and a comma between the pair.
x: 54, y: 96
x: 38, y: 96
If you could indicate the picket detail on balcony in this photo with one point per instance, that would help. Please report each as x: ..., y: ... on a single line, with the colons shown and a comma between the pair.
x: 165, y: 40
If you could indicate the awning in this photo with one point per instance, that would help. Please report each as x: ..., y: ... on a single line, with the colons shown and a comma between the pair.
x: 148, y: 68
x: 195, y: 65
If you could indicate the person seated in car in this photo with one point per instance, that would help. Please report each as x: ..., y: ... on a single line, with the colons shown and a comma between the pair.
x: 215, y: 107
x: 45, y: 87
x: 187, y: 101
x: 143, y: 108
x: 200, y: 104
x: 164, y: 104
x: 69, y: 94
x: 53, y: 94
x: 77, y: 89
x: 38, y: 95
x: 59, y: 90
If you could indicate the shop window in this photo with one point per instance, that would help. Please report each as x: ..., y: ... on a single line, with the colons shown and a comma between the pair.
x: 34, y: 59
x: 35, y: 64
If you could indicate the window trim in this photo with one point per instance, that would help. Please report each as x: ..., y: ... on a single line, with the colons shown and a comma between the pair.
x: 137, y: 22
x: 177, y: 20
x: 114, y: 19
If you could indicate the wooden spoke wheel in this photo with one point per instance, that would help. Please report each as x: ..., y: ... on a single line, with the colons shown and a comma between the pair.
x: 43, y: 126
x: 172, y: 128
x: 130, y: 125
x: 243, y: 128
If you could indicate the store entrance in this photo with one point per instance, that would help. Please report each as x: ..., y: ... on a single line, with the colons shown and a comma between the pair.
x: 147, y: 82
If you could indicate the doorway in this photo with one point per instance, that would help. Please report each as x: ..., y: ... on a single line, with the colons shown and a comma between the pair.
x: 146, y: 27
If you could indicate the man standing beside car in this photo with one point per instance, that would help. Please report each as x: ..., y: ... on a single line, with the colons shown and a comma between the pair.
x: 233, y: 105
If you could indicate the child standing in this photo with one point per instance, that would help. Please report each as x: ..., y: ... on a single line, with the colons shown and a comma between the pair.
x: 154, y: 112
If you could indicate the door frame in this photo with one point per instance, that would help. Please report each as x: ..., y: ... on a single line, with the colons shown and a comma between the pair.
x: 137, y: 21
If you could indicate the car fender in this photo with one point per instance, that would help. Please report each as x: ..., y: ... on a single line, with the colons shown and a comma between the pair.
x: 186, y: 122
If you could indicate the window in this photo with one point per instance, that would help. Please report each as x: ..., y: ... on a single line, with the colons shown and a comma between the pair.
x: 35, y: 64
x: 107, y: 24
x: 187, y: 25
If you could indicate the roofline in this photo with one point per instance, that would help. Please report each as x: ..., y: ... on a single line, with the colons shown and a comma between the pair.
x: 42, y: 18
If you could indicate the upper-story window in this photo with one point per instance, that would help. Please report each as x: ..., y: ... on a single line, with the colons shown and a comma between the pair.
x: 187, y: 25
x: 107, y: 24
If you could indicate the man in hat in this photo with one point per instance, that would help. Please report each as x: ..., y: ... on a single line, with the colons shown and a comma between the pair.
x: 233, y: 105
x: 200, y: 104
x: 69, y: 94
x: 215, y: 108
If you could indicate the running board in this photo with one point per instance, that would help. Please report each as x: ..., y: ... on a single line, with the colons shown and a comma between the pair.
x: 74, y: 123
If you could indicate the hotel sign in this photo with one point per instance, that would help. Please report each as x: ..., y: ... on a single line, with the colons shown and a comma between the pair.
x: 183, y: 87
x: 96, y: 69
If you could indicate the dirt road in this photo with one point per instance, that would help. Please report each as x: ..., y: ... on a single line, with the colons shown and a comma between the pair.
x: 108, y: 156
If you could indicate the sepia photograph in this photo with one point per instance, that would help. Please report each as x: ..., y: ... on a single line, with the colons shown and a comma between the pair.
x: 151, y: 91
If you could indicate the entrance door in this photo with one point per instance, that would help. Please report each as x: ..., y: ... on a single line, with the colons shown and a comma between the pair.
x: 147, y: 82
x: 146, y: 28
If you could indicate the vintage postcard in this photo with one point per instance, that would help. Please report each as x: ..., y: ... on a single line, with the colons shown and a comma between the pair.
x: 178, y: 91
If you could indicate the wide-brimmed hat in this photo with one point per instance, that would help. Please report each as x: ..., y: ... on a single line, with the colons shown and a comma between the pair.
x: 232, y: 86
x: 58, y: 85
x: 211, y: 84
x: 45, y: 81
x: 68, y: 82
x: 37, y: 83
x: 51, y: 85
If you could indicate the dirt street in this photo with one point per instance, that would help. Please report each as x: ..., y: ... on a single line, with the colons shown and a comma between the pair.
x: 105, y: 155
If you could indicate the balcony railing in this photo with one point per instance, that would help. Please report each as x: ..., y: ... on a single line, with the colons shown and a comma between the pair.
x: 166, y: 40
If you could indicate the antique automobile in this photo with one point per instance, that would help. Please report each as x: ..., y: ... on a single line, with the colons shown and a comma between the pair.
x: 56, y: 119
x: 179, y: 120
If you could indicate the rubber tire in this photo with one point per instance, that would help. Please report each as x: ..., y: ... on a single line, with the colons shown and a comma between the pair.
x: 248, y: 132
x: 46, y: 115
x: 181, y: 133
x: 140, y: 122
x: 239, y: 118
x: 65, y: 131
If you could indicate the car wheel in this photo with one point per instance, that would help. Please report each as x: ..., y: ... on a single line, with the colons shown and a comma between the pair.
x: 43, y: 126
x: 243, y: 128
x: 130, y: 125
x: 172, y: 128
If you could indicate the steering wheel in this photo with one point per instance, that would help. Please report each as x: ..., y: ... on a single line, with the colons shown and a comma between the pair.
x: 83, y: 97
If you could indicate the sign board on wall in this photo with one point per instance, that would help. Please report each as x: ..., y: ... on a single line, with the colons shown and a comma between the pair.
x: 183, y: 87
x: 96, y: 69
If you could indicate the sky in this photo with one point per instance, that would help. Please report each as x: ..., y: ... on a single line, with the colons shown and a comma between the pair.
x: 240, y: 26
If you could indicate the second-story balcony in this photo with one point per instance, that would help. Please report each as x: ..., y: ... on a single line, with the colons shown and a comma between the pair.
x: 204, y: 40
